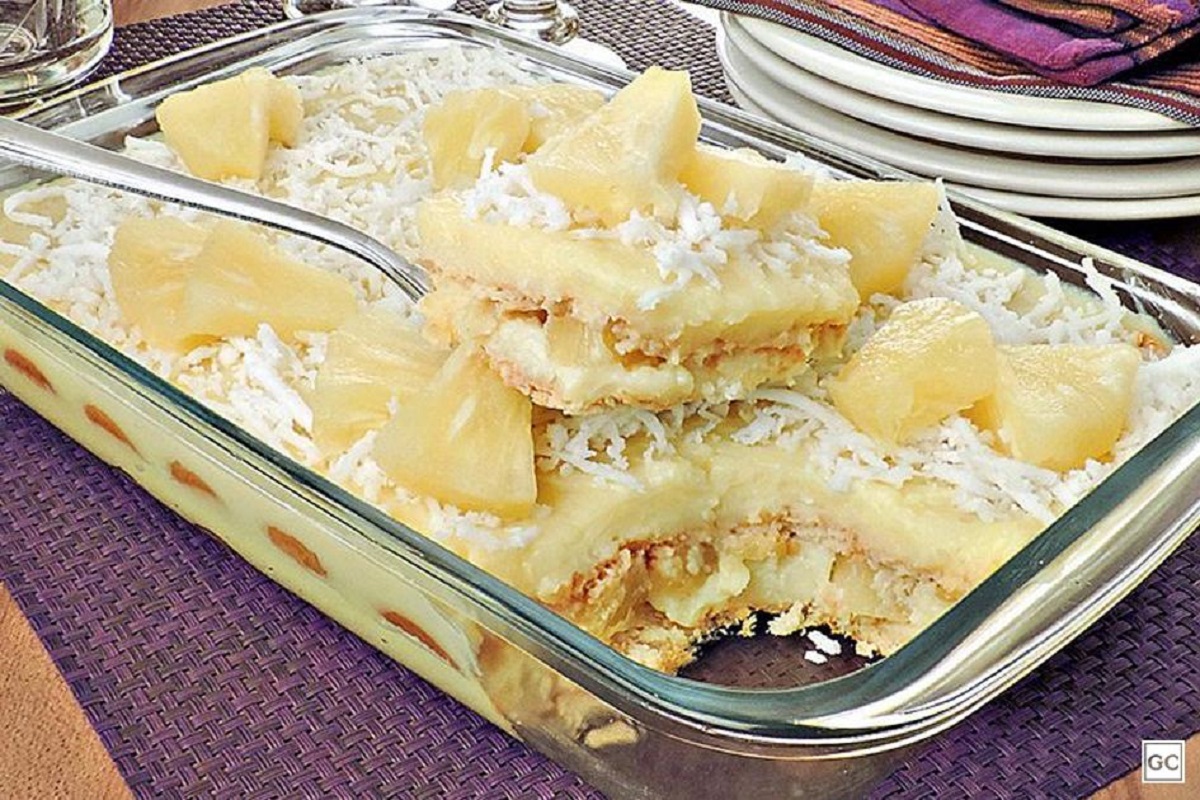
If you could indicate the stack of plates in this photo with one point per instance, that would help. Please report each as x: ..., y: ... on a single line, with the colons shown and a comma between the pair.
x: 1032, y: 155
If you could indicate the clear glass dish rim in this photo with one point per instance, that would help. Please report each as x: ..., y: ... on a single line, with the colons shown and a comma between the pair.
x: 798, y: 716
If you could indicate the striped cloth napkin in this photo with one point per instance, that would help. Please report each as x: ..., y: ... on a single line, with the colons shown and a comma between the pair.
x: 1076, y: 43
x: 942, y: 40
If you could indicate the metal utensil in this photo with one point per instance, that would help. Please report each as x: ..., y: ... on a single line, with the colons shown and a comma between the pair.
x: 51, y: 152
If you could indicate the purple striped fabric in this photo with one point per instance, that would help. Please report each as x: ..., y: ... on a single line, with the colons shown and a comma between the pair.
x: 1056, y: 50
x: 892, y: 34
x: 1083, y: 16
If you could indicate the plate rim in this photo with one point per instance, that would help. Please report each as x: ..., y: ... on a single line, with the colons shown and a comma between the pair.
x: 1050, y: 206
x: 1039, y: 178
x: 948, y: 128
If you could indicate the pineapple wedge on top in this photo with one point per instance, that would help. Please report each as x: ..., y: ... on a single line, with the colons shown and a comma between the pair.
x: 553, y: 109
x: 373, y: 357
x: 285, y: 108
x: 467, y: 125
x: 1057, y: 406
x: 239, y: 281
x: 627, y: 155
x: 509, y: 121
x: 745, y: 186
x: 881, y: 223
x: 223, y: 129
x: 465, y: 440
x: 149, y: 264
x: 932, y: 357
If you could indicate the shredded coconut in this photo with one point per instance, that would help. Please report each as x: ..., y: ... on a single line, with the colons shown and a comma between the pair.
x: 361, y: 159
x: 815, y: 657
x: 598, y: 444
x: 693, y: 246
x: 826, y: 644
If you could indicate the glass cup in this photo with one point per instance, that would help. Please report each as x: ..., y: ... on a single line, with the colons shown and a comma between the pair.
x: 45, y: 44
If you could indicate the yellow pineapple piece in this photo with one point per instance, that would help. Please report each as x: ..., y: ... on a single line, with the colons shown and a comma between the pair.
x: 554, y: 108
x: 285, y: 108
x: 881, y: 223
x: 149, y: 263
x: 573, y: 343
x: 239, y: 280
x: 219, y: 130
x: 932, y: 357
x: 1056, y: 406
x: 465, y: 440
x: 744, y: 185
x: 222, y: 129
x: 373, y: 357
x: 628, y: 154
x: 465, y: 126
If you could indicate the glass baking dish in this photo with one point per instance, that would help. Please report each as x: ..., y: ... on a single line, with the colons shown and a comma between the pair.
x: 630, y: 731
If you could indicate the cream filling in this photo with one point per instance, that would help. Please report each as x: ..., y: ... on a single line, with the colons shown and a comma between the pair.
x: 657, y: 602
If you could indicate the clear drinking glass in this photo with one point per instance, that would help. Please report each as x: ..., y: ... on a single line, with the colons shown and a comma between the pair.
x: 45, y: 44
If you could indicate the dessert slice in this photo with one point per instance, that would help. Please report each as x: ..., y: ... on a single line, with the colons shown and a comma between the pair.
x: 591, y: 277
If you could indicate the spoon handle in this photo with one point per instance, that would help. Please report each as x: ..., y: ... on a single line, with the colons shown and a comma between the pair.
x: 52, y: 152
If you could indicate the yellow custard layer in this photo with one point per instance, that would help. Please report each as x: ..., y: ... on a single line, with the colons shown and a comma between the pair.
x: 701, y: 340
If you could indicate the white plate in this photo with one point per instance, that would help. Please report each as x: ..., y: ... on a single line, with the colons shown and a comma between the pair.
x: 1172, y: 178
x: 1111, y: 145
x: 1042, y: 206
x: 842, y: 66
x: 1032, y: 205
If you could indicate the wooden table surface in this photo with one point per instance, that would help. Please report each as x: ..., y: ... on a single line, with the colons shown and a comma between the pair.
x: 1128, y: 788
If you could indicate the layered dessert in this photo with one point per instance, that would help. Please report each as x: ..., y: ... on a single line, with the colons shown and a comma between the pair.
x: 597, y: 270
x: 662, y: 387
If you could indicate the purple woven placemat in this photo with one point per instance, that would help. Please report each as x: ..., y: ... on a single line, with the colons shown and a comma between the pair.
x: 205, y: 679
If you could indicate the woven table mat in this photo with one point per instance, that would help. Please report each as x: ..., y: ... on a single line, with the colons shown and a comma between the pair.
x: 203, y: 678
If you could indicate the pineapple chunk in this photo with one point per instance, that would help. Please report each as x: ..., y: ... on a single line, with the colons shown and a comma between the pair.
x: 1056, y: 406
x: 881, y: 223
x: 465, y: 126
x: 285, y: 108
x: 744, y: 185
x: 239, y: 281
x: 933, y: 357
x: 553, y: 109
x: 222, y: 129
x: 370, y: 359
x: 149, y: 263
x: 627, y: 155
x: 465, y: 440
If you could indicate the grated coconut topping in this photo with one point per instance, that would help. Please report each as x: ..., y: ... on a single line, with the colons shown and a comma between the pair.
x: 693, y: 246
x: 363, y: 123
